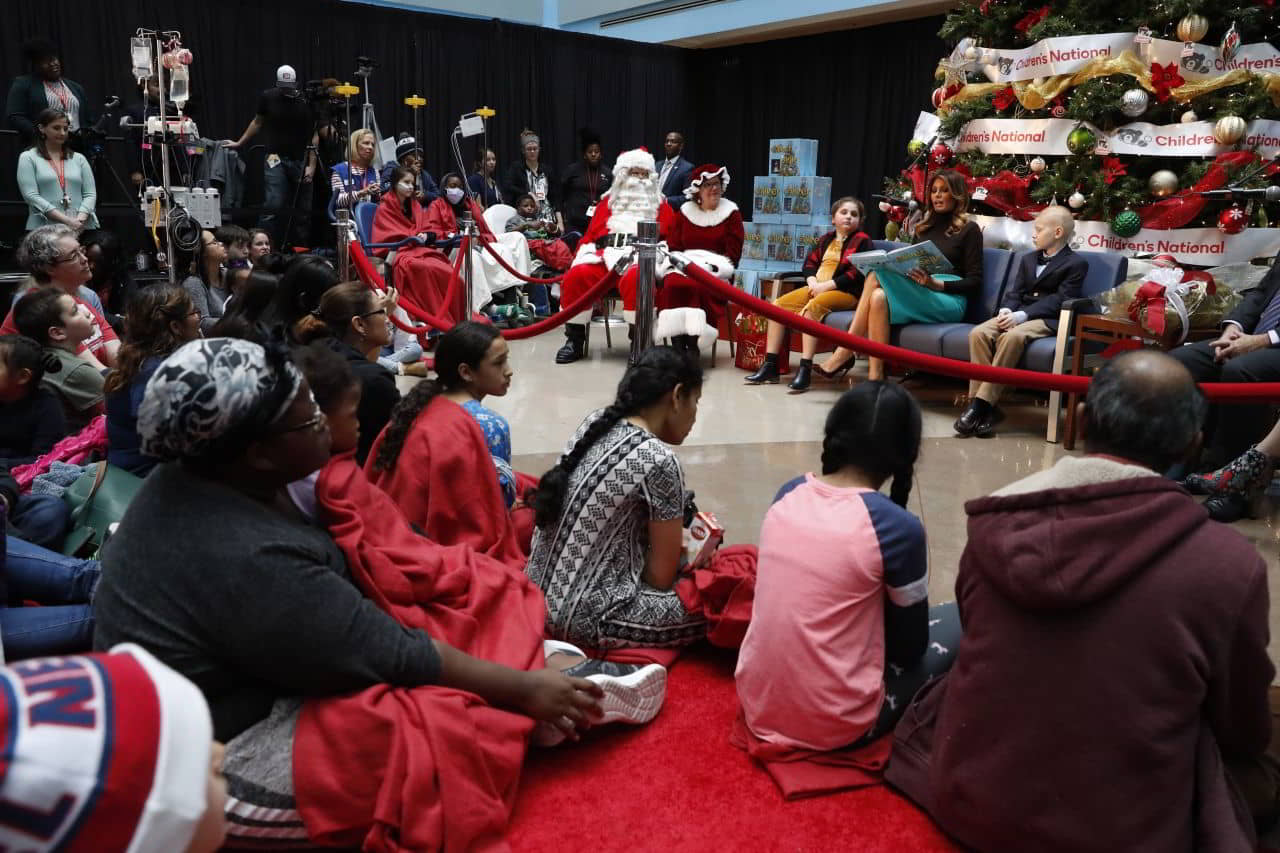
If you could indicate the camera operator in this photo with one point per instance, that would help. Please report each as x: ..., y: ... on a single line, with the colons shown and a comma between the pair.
x: 288, y: 122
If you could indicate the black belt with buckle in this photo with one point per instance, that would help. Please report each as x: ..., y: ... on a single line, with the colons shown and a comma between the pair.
x: 616, y: 241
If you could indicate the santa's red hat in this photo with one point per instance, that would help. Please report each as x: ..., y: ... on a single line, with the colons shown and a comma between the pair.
x: 108, y: 751
x: 702, y: 173
x: 636, y: 158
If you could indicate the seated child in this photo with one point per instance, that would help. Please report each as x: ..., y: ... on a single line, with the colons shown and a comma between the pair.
x: 236, y: 241
x: 60, y: 324
x: 554, y: 253
x: 337, y: 391
x: 832, y: 283
x: 841, y: 630
x: 123, y: 757
x: 436, y: 442
x: 1043, y: 281
x: 31, y: 418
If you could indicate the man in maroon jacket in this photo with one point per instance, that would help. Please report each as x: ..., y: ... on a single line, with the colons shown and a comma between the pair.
x: 1113, y: 678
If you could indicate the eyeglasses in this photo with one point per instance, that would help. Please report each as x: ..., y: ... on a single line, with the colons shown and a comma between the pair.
x: 316, y: 422
x: 78, y: 253
x: 371, y: 313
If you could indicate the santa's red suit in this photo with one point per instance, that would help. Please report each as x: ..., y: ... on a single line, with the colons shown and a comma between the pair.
x: 596, y: 256
x: 713, y: 240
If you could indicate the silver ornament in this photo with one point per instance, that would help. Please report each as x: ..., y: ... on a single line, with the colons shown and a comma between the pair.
x: 907, y: 195
x: 1133, y: 102
x: 1076, y: 200
x: 1162, y: 183
x: 913, y: 204
x: 1189, y: 116
x: 1037, y: 164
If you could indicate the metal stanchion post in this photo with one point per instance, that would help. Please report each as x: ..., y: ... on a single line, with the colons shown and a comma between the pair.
x: 343, y: 225
x: 468, y: 226
x: 646, y: 244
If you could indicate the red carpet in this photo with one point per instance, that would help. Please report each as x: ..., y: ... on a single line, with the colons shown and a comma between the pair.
x: 677, y: 784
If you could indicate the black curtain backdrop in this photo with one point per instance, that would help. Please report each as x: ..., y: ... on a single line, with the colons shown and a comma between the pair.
x: 857, y: 91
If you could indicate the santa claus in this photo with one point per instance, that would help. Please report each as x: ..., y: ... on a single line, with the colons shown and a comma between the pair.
x: 634, y: 197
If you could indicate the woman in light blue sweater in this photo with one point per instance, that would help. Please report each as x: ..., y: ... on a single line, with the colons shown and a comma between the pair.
x: 56, y: 182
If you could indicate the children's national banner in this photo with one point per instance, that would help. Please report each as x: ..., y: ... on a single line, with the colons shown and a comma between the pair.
x: 1206, y: 247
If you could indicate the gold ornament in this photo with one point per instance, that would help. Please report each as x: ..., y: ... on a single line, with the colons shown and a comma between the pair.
x: 1229, y: 130
x: 1193, y: 28
x: 1162, y: 183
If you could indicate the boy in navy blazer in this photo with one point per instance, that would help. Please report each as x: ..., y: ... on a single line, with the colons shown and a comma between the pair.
x: 1043, y: 281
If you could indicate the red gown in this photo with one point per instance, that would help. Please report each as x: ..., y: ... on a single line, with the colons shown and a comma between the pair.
x: 583, y: 276
x: 719, y: 232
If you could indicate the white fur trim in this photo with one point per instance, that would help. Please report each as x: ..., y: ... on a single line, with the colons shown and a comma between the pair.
x: 707, y: 218
x: 1073, y: 471
x: 587, y: 254
x: 629, y: 316
x: 723, y: 267
x: 636, y: 158
x: 684, y: 321
x: 696, y: 182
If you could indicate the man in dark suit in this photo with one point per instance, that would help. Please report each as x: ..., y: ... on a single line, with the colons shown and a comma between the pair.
x: 1248, y: 350
x: 1044, y: 279
x: 675, y: 172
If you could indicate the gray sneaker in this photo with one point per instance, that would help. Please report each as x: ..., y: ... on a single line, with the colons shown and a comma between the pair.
x: 632, y: 693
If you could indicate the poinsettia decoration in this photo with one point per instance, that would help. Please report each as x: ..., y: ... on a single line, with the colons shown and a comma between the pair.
x: 1112, y: 168
x: 1164, y: 78
x: 1030, y: 19
x: 1003, y: 99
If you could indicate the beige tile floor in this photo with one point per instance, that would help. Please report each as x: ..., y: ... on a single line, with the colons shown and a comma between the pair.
x: 749, y: 440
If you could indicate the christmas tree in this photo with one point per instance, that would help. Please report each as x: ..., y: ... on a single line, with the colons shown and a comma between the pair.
x: 1125, y: 111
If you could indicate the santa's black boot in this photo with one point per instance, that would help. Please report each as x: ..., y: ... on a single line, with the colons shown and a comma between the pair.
x: 575, y: 343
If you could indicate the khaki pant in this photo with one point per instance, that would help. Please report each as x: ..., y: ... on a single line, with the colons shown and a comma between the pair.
x: 989, y: 345
x: 798, y: 302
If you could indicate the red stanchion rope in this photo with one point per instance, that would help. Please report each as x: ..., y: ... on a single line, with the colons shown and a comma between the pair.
x: 515, y: 272
x: 371, y: 279
x: 948, y: 366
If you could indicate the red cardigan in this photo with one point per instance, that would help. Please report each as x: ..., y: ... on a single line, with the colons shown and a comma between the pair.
x: 846, y: 277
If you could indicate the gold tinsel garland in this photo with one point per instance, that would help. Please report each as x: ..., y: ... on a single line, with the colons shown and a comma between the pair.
x: 1037, y: 95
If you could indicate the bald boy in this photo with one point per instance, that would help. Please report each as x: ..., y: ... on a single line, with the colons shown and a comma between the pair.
x: 1044, y: 279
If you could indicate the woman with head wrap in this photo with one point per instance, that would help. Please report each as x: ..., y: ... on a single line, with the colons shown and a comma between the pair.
x: 215, y: 571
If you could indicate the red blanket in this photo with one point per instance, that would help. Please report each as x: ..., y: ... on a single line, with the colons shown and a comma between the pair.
x: 426, y: 768
x: 800, y: 773
x: 723, y: 590
x: 444, y: 482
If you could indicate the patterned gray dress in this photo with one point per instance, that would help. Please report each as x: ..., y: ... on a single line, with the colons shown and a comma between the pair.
x: 589, y: 563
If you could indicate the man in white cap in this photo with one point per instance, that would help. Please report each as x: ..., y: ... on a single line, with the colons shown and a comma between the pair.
x: 634, y: 197
x: 289, y: 127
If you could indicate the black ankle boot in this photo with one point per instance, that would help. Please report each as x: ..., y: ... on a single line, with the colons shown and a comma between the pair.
x: 768, y: 372
x: 685, y: 343
x: 575, y: 343
x: 800, y: 382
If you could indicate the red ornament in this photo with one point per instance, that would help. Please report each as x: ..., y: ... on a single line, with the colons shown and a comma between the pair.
x: 1164, y: 78
x: 1058, y: 108
x: 1003, y: 99
x: 941, y: 93
x: 897, y: 213
x: 1232, y: 220
x: 1030, y: 19
x: 940, y: 155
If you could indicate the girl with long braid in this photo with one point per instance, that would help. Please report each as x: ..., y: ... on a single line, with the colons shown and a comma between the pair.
x: 609, y: 516
x: 841, y: 633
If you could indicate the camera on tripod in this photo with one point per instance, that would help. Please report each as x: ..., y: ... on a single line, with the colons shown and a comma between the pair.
x: 364, y: 66
x: 90, y: 141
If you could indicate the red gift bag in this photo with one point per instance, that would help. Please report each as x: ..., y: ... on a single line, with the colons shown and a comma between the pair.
x: 750, y: 334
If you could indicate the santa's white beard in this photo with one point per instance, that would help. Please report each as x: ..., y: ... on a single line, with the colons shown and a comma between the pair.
x: 632, y: 200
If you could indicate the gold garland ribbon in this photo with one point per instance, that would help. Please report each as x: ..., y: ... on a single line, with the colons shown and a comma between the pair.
x: 1037, y: 95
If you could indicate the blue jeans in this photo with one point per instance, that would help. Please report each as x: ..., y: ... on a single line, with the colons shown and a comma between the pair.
x: 280, y: 182
x: 41, y: 519
x: 63, y: 585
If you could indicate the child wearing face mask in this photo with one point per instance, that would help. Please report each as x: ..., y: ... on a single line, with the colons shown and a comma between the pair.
x: 422, y: 272
x: 60, y: 325
x: 490, y: 278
